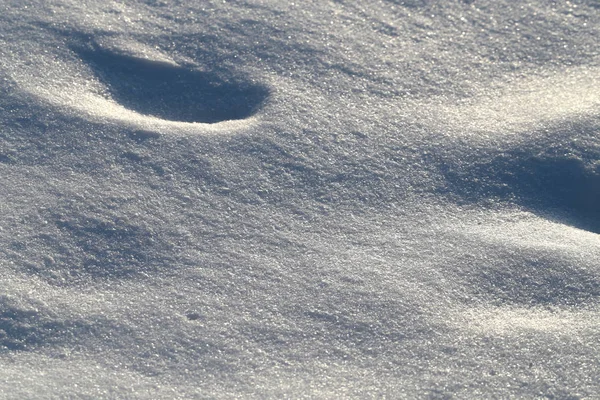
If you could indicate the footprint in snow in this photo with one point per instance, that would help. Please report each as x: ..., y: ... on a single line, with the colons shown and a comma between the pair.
x: 171, y: 92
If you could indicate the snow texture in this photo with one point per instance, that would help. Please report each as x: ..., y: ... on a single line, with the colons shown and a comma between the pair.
x: 319, y: 199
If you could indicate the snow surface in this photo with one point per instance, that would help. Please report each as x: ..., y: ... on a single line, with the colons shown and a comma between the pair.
x: 316, y: 199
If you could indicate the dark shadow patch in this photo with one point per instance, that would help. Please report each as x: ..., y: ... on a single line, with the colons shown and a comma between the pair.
x: 563, y: 188
x: 108, y: 248
x: 171, y: 92
x: 26, y: 326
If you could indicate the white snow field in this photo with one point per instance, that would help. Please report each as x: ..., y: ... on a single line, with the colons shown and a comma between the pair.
x: 313, y: 199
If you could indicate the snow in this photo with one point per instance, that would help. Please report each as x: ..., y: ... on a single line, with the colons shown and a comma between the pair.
x: 262, y: 199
